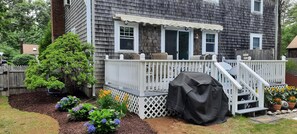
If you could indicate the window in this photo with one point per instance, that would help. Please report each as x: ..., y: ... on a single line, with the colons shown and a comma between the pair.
x: 126, y: 37
x: 210, y: 43
x: 255, y: 41
x: 257, y: 6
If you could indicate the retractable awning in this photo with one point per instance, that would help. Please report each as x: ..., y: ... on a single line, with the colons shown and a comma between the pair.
x: 165, y: 22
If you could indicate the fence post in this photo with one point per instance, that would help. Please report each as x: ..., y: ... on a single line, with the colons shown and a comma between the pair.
x: 8, y: 79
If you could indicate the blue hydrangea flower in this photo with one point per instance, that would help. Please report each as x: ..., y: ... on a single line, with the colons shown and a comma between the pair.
x: 64, y: 98
x: 91, y: 128
x: 57, y: 106
x: 91, y: 111
x: 103, y: 121
x: 75, y: 109
x: 117, y: 121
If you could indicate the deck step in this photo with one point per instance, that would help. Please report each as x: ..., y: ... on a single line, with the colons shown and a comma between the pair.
x: 246, y: 102
x: 243, y: 94
x: 249, y: 110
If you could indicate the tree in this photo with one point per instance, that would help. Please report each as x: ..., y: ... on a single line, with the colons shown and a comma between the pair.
x: 289, y: 30
x: 66, y: 63
x: 46, y: 39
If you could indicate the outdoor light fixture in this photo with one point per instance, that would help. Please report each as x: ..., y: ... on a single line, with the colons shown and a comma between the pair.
x: 186, y: 28
x: 126, y: 22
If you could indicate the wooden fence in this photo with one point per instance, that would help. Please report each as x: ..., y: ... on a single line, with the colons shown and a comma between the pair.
x: 12, y: 77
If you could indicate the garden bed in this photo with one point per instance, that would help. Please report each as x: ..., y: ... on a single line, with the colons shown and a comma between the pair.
x: 40, y: 102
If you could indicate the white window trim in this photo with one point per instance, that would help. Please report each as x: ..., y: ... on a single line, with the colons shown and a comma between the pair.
x: 191, y: 38
x: 212, y: 1
x: 204, y: 42
x: 117, y: 25
x: 252, y: 35
x: 253, y: 7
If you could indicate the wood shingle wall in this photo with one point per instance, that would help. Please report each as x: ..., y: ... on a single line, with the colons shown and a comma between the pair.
x: 75, y: 17
x: 234, y: 15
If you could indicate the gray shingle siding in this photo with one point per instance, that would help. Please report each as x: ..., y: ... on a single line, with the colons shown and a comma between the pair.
x: 234, y: 15
x: 75, y: 17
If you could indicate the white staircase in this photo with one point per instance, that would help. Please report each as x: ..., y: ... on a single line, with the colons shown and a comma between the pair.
x: 249, y: 96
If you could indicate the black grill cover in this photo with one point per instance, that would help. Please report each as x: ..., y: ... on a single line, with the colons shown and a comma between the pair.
x: 198, y: 98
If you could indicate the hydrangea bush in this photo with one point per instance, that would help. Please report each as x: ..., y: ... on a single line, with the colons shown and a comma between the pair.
x: 66, y: 103
x: 81, y: 112
x: 103, y: 121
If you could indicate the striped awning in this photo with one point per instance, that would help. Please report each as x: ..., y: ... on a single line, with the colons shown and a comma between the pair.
x: 165, y: 22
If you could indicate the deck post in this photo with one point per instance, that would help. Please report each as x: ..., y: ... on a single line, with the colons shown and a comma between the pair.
x: 238, y: 60
x: 106, y: 57
x: 141, y: 84
x: 214, y: 71
x: 121, y: 57
x: 261, y: 94
x: 249, y: 58
x: 223, y: 59
x: 284, y: 70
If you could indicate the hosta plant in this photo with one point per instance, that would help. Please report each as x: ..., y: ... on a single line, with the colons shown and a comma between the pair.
x: 81, y: 112
x: 66, y: 103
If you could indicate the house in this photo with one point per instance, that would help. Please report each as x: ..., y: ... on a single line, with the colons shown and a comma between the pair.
x: 292, y: 48
x: 184, y: 29
x: 30, y: 49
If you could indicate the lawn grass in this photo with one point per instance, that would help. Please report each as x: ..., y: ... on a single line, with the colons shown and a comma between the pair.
x: 13, y: 121
x: 236, y: 125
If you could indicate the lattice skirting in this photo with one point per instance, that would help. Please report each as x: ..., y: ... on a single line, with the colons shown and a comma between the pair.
x: 143, y: 106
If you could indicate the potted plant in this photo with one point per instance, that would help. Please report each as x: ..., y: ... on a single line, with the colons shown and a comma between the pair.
x: 292, y: 102
x: 277, y: 104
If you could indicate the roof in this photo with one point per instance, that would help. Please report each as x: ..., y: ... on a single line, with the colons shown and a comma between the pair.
x: 293, y: 44
x: 165, y: 22
x: 30, y: 49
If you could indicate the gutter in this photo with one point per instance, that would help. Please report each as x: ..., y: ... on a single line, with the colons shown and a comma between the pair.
x: 276, y: 29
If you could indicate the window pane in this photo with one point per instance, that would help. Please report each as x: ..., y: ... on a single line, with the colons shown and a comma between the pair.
x: 210, y: 38
x: 210, y: 47
x: 127, y: 44
x: 256, y: 42
x: 257, y: 5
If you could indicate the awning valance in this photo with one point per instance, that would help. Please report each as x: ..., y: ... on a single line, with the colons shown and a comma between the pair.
x: 165, y: 22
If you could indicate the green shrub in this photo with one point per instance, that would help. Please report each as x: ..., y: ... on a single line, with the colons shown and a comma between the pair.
x: 291, y: 66
x: 81, y: 112
x: 65, y: 64
x: 23, y: 59
x: 66, y: 103
x: 46, y: 39
x: 103, y: 121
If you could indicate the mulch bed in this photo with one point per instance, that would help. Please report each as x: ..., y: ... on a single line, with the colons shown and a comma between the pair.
x: 41, y: 102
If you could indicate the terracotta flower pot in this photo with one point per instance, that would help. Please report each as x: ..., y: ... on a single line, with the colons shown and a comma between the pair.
x: 292, y: 105
x: 277, y: 107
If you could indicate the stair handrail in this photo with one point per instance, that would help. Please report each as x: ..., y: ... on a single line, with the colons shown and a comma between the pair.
x: 234, y: 82
x: 254, y: 74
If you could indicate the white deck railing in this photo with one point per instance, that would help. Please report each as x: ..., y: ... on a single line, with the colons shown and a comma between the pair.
x: 272, y: 71
x: 154, y: 75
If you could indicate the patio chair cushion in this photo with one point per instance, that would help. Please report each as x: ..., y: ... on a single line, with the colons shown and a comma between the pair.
x: 159, y: 56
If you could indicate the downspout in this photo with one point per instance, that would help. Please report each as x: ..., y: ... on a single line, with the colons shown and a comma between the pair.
x: 276, y: 29
x: 93, y: 41
x: 90, y: 31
